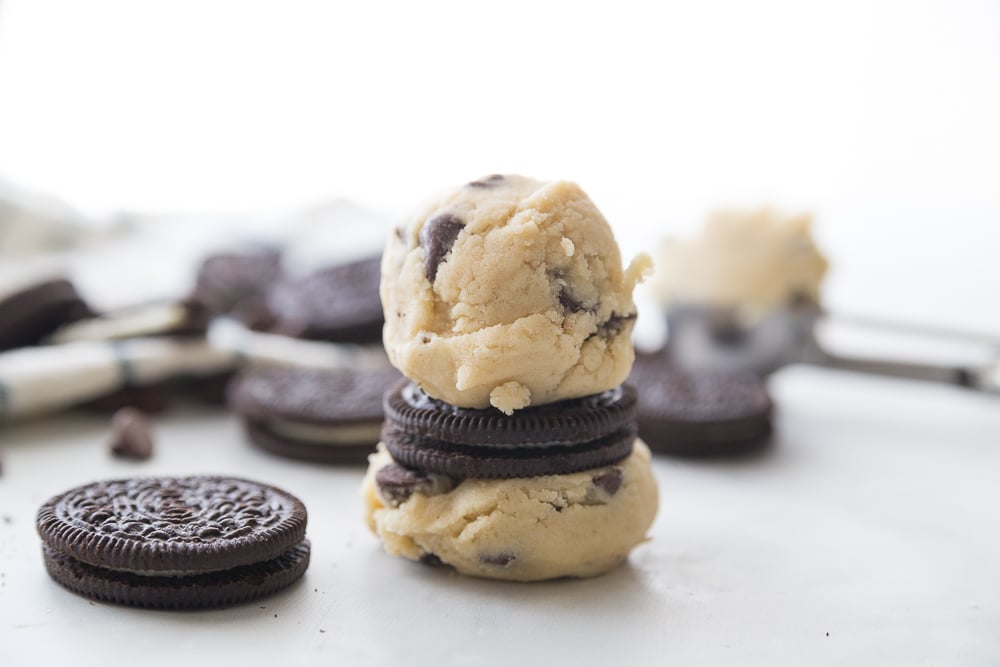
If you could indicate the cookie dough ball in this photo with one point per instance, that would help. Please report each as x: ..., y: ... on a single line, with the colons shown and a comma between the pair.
x: 754, y: 261
x: 509, y: 292
x: 524, y: 529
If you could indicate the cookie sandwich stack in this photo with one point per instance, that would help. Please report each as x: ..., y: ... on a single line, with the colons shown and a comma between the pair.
x: 509, y: 450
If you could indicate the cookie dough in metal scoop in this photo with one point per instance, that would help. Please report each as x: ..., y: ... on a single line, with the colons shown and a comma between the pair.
x: 745, y: 295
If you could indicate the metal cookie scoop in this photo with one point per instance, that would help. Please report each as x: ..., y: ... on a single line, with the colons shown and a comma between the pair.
x: 713, y: 337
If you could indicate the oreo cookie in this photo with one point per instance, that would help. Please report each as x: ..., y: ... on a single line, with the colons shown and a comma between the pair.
x: 237, y: 283
x: 185, y: 320
x: 700, y: 413
x: 320, y: 415
x: 31, y: 314
x: 426, y: 434
x: 174, y: 542
x: 338, y: 304
x: 188, y: 318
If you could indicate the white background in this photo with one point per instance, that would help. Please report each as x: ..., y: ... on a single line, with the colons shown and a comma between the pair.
x: 881, y: 117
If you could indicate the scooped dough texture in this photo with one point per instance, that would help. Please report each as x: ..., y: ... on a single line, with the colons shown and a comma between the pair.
x: 524, y: 529
x: 753, y: 260
x: 509, y: 292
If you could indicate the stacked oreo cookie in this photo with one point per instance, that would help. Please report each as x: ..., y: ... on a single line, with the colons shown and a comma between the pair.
x: 510, y: 451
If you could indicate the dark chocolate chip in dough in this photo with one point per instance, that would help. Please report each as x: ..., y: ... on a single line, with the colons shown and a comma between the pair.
x: 433, y: 560
x: 488, y: 182
x: 569, y: 302
x: 610, y: 480
x: 436, y: 238
x: 131, y: 436
x: 499, y: 560
x: 613, y: 325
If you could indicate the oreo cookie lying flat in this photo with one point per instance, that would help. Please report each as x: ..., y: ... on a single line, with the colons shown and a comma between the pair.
x: 338, y: 304
x: 174, y: 543
x: 553, y: 439
x: 30, y: 314
x: 700, y: 413
x: 322, y: 415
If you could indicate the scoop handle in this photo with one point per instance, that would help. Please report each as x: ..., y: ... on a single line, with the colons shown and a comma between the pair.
x: 959, y: 376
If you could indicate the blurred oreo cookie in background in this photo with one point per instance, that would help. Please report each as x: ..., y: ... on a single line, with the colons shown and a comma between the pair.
x: 236, y: 283
x: 311, y: 414
x: 339, y: 304
x: 700, y: 412
x: 31, y: 312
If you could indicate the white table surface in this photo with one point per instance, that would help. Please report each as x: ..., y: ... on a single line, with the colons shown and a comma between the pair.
x: 867, y: 536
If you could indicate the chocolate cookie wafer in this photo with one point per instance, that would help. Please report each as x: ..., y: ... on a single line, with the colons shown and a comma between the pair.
x: 700, y: 412
x: 184, y: 320
x: 237, y: 283
x: 555, y: 438
x: 174, y: 542
x: 322, y: 415
x: 30, y: 314
x: 338, y: 304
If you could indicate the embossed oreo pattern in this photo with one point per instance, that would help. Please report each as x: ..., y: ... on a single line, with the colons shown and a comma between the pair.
x: 188, y: 524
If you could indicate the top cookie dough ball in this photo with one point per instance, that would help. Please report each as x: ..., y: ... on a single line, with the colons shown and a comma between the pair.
x: 509, y: 292
x: 753, y: 261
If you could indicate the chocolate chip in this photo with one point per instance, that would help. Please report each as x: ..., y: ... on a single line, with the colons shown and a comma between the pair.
x: 400, y: 233
x: 613, y: 325
x: 397, y: 483
x: 436, y: 238
x: 610, y: 480
x: 131, y: 436
x: 433, y: 560
x: 500, y: 560
x: 568, y: 302
x: 488, y: 182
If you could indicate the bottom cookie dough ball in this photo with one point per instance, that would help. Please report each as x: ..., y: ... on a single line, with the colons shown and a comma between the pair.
x: 524, y: 529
